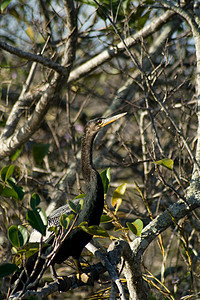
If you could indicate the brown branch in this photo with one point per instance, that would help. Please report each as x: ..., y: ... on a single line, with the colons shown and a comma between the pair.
x: 34, y: 57
x: 10, y: 144
x: 65, y: 283
x: 137, y: 288
x: 111, y: 52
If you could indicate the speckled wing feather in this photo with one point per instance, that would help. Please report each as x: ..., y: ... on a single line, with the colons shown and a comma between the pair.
x: 53, y: 220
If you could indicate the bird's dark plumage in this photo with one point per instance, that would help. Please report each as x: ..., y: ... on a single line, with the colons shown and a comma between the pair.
x: 91, y: 211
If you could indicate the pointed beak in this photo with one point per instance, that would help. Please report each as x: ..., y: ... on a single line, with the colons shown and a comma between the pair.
x: 107, y: 121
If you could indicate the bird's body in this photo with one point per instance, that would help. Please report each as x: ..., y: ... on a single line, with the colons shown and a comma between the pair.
x: 91, y: 211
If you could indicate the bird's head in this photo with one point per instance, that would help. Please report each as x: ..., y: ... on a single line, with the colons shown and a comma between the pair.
x: 95, y: 125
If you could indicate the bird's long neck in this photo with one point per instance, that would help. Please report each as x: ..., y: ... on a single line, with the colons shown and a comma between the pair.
x: 94, y: 200
x: 86, y: 157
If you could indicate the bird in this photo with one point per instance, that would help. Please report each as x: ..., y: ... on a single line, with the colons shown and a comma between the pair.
x: 91, y: 212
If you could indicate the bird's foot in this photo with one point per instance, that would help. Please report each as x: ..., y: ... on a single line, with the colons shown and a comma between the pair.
x: 64, y: 283
x: 83, y: 278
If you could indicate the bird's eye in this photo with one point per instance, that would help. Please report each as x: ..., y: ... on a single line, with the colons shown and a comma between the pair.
x: 99, y: 122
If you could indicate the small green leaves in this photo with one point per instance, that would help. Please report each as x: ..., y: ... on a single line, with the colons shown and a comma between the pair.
x: 8, y: 192
x: 135, y: 227
x: 7, y: 269
x: 8, y: 171
x: 80, y: 205
x: 53, y: 229
x: 72, y: 206
x: 40, y: 151
x: 15, y: 155
x: 18, y: 189
x: 36, y: 216
x: 35, y: 200
x: 94, y: 230
x: 80, y: 196
x: 106, y: 219
x: 75, y: 208
x: 9, y: 187
x: 30, y: 32
x: 17, y: 235
x: 37, y: 219
x: 65, y: 220
x: 165, y: 162
x: 4, y: 4
x: 117, y: 196
x: 105, y: 177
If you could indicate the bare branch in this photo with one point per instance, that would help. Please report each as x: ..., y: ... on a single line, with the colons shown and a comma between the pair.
x: 111, y: 52
x: 132, y: 270
x: 169, y: 217
x: 34, y: 57
x: 113, y: 274
x: 9, y: 145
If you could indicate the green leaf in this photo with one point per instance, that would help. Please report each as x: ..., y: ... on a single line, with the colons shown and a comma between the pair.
x: 30, y: 33
x: 106, y: 219
x: 7, y: 269
x: 4, y: 4
x: 165, y: 162
x: 135, y: 227
x: 95, y: 230
x: 18, y: 189
x: 118, y: 195
x: 81, y: 202
x: 35, y: 200
x: 40, y: 151
x: 30, y: 249
x: 8, y: 192
x: 17, y: 235
x: 17, y: 153
x: 105, y: 177
x: 8, y: 171
x: 72, y: 206
x: 79, y: 206
x: 37, y: 219
x: 53, y: 229
x: 80, y: 196
x: 84, y: 223
x: 117, y: 228
x: 131, y: 227
x: 65, y: 220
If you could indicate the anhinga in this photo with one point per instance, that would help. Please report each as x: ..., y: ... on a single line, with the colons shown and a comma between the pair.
x: 91, y: 211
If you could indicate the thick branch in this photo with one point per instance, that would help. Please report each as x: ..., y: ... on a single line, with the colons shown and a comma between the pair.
x: 132, y: 270
x: 113, y: 274
x: 65, y: 283
x: 9, y: 145
x: 169, y: 217
x: 111, y: 52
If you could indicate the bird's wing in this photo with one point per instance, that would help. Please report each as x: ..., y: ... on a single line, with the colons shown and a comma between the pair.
x: 53, y: 220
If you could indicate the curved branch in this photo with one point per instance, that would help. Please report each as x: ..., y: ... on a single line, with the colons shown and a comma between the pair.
x: 111, y: 52
x: 113, y: 274
x: 34, y: 57
x: 8, y: 145
x: 137, y: 288
x: 169, y: 217
x: 86, y: 68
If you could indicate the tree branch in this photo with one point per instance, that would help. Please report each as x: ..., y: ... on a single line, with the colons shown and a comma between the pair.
x: 113, y: 274
x: 10, y: 144
x: 138, y: 290
x: 111, y: 52
x: 34, y: 57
